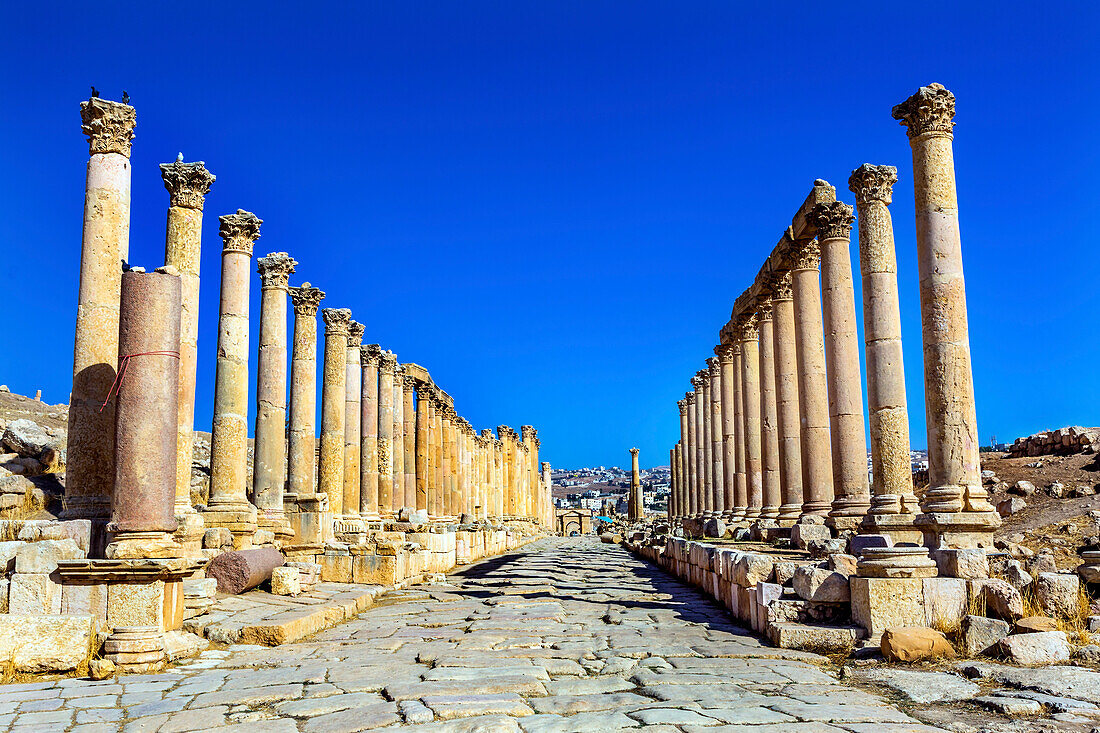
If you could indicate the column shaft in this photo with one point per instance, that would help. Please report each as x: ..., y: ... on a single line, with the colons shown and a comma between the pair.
x: 330, y: 469
x: 353, y: 422
x: 369, y: 357
x: 769, y: 422
x: 784, y: 343
x: 386, y: 370
x: 302, y: 435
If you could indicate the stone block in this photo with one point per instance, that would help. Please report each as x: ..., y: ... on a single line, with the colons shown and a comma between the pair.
x: 8, y: 551
x: 972, y: 564
x: 376, y: 570
x: 174, y: 605
x: 821, y: 639
x: 136, y: 604
x: 52, y: 643
x: 42, y: 557
x: 32, y: 594
x: 843, y: 564
x: 88, y: 600
x: 859, y: 542
x: 78, y: 530
x: 981, y: 635
x: 1001, y: 599
x: 914, y: 644
x: 821, y: 585
x: 1047, y: 647
x: 881, y: 603
x: 945, y: 602
x: 1058, y: 594
x: 285, y: 581
x: 753, y: 568
x: 803, y: 534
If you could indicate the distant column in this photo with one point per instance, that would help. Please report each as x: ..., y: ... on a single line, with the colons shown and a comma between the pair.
x: 893, y: 504
x: 353, y: 417
x: 302, y: 434
x: 750, y: 406
x: 700, y: 440
x: 851, y: 497
x: 813, y: 392
x: 423, y: 448
x: 682, y: 487
x: 270, y: 448
x: 229, y: 506
x: 956, y: 506
x: 691, y: 506
x: 786, y: 398
x: 718, y: 478
x: 409, y: 386
x: 437, y: 448
x: 706, y: 470
x: 398, y: 443
x: 740, y: 478
x: 333, y: 396
x: 635, y: 510
x: 769, y: 433
x: 729, y: 439
x: 548, y: 483
x: 187, y: 185
x: 369, y: 357
x: 386, y: 371
x: 446, y: 416
x: 90, y: 473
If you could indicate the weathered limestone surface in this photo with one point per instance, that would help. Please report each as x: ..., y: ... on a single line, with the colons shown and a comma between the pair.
x: 353, y: 416
x: 370, y: 357
x: 330, y: 469
x: 786, y: 398
x: 302, y: 437
x: 549, y: 655
x: 90, y: 475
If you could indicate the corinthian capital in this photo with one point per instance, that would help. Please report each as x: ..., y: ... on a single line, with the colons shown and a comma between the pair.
x: 239, y: 231
x: 833, y: 220
x: 931, y: 109
x: 306, y: 299
x: 370, y: 354
x: 355, y: 334
x: 387, y: 361
x: 747, y: 328
x: 764, y: 309
x: 697, y: 381
x: 713, y: 366
x: 781, y: 286
x: 275, y: 270
x: 634, y: 452
x: 682, y: 405
x: 529, y: 432
x: 109, y: 126
x: 187, y: 183
x: 725, y: 353
x: 806, y: 255
x: 873, y: 183
x: 336, y: 321
x: 689, y: 398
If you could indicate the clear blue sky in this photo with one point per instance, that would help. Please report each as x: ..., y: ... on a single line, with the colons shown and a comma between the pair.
x: 552, y: 206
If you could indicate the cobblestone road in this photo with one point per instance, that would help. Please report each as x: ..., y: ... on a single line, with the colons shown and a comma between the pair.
x: 564, y: 635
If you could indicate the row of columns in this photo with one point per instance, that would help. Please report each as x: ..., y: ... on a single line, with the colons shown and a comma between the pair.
x: 773, y: 429
x: 389, y: 438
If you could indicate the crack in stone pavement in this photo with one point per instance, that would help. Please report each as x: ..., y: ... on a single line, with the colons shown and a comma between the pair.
x: 566, y: 634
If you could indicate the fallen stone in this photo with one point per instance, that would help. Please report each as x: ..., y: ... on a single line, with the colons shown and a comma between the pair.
x: 42, y: 557
x: 1034, y: 624
x: 820, y: 585
x: 981, y: 635
x: 1058, y: 594
x: 285, y: 582
x: 26, y: 437
x: 1089, y: 654
x: 1009, y: 705
x: 1002, y: 600
x: 241, y: 570
x: 1044, y: 647
x: 101, y: 669
x: 46, y: 643
x: 914, y: 644
x: 1011, y: 505
x: 1022, y: 488
x: 843, y: 564
x: 802, y: 533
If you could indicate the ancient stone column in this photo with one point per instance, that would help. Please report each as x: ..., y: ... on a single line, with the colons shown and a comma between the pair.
x: 784, y: 347
x: 635, y: 510
x: 90, y: 472
x: 729, y: 441
x: 269, y: 454
x: 740, y: 478
x: 445, y: 417
x: 330, y: 469
x: 813, y: 391
x: 353, y: 421
x: 957, y: 508
x: 423, y: 448
x: 750, y: 407
x: 893, y: 504
x: 851, y: 497
x: 409, y: 442
x: 452, y: 480
x: 680, y: 479
x: 769, y: 428
x: 702, y: 405
x: 187, y: 185
x: 437, y: 448
x: 692, y: 459
x: 369, y: 357
x: 386, y: 371
x: 548, y: 483
x: 717, y: 465
x: 229, y: 506
x: 143, y: 506
x: 398, y: 446
x: 682, y: 489
x: 302, y: 431
x: 706, y: 470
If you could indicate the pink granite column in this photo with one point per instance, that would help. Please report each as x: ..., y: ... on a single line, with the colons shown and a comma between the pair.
x: 956, y: 506
x: 269, y: 453
x: 143, y: 506
x: 90, y: 472
x: 229, y: 506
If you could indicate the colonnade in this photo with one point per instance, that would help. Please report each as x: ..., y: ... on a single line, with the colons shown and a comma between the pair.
x: 774, y: 430
x: 392, y: 447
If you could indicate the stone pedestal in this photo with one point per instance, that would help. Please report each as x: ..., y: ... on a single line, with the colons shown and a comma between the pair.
x: 269, y: 462
x: 187, y: 185
x: 90, y: 472
x: 229, y: 506
x: 147, y: 414
x: 956, y: 506
x: 896, y: 562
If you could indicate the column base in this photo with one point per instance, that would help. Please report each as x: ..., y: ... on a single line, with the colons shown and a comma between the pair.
x: 899, y: 527
x: 142, y: 545
x: 843, y: 524
x: 275, y: 521
x: 816, y: 508
x: 189, y: 532
x: 136, y: 649
x: 958, y: 530
x: 239, y: 519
